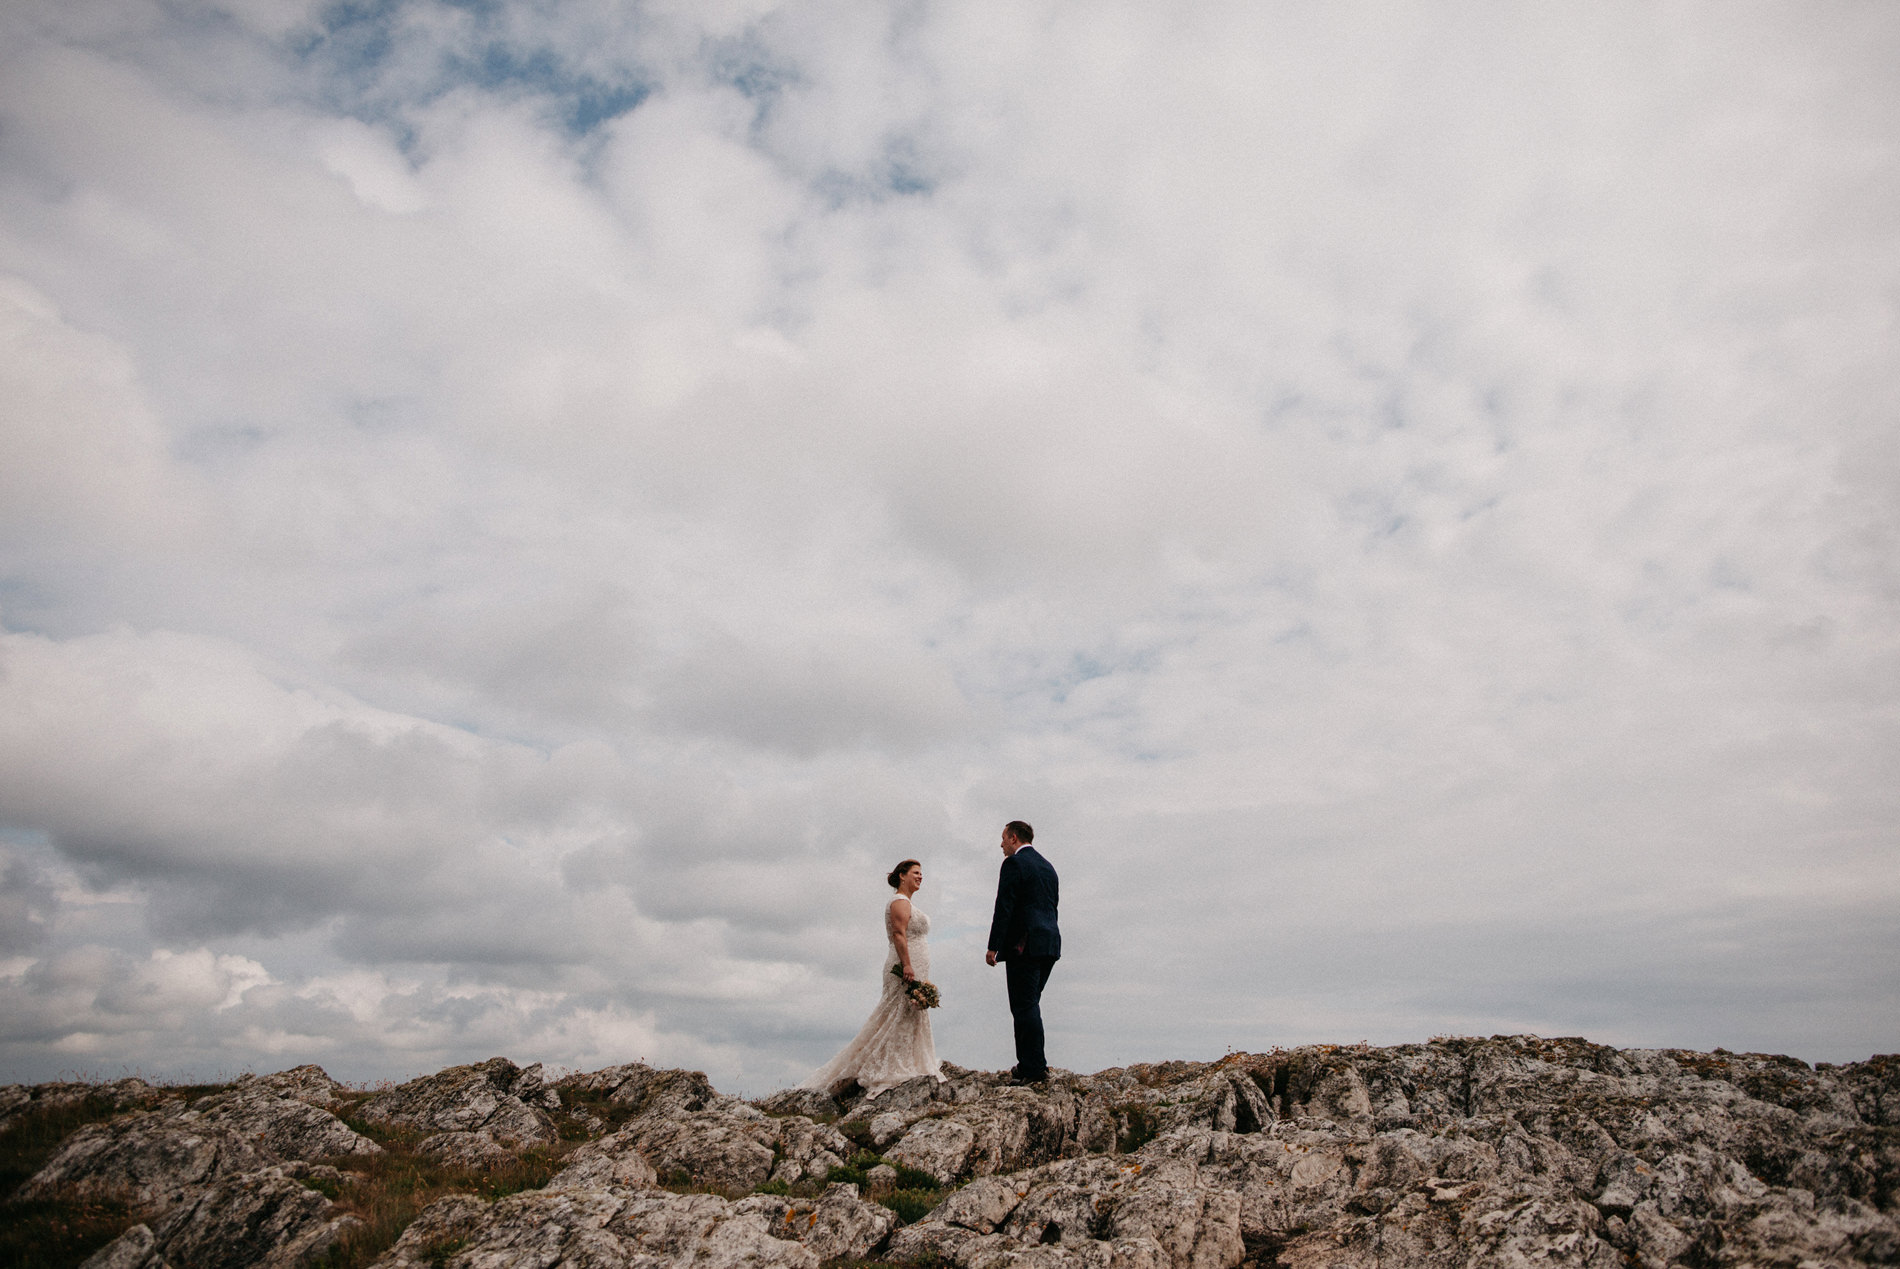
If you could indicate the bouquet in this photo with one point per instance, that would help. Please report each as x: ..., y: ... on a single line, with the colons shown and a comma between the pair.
x: 920, y: 993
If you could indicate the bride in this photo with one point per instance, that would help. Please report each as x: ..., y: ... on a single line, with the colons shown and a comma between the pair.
x: 895, y: 1044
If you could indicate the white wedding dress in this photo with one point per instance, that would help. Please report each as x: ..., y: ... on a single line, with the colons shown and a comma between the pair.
x: 895, y: 1044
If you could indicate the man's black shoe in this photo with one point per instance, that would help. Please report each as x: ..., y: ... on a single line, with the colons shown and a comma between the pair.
x: 1023, y: 1081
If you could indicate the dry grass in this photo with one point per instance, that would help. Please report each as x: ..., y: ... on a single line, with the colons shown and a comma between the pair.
x: 53, y: 1233
x: 387, y: 1191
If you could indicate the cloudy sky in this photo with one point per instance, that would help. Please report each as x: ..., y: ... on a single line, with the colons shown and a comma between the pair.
x: 514, y: 514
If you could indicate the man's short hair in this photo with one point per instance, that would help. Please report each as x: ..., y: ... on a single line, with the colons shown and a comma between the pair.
x: 1020, y: 831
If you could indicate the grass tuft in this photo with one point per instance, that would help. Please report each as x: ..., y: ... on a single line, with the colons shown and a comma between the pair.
x: 56, y: 1234
x: 392, y: 1188
x: 49, y: 1233
x: 912, y: 1205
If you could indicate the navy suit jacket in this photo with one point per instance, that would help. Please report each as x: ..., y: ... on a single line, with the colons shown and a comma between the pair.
x: 1025, y: 920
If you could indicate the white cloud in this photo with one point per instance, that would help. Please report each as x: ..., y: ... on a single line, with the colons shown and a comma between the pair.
x: 514, y: 518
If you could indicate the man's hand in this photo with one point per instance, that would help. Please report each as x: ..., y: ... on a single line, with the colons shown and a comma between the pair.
x: 989, y: 958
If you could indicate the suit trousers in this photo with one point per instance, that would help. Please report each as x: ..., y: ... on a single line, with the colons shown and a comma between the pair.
x: 1027, y: 975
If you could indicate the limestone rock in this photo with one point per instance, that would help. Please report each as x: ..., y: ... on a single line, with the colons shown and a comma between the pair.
x: 707, y: 1147
x: 646, y: 1090
x: 147, y: 1158
x: 131, y: 1250
x: 496, y: 1097
x: 307, y: 1083
x: 609, y: 1162
x: 808, y: 1102
x: 263, y: 1219
x: 599, y: 1228
x: 154, y: 1157
x: 1508, y: 1151
x: 1092, y: 1211
x: 838, y: 1224
x: 285, y: 1126
x: 475, y: 1150
x: 941, y: 1147
x: 808, y: 1151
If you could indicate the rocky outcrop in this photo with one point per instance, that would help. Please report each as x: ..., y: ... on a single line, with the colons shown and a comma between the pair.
x: 1100, y: 1211
x: 262, y: 1218
x: 1508, y: 1151
x: 610, y: 1227
x: 216, y: 1177
x: 495, y: 1098
x: 151, y: 1158
x: 693, y: 1134
x: 279, y: 1124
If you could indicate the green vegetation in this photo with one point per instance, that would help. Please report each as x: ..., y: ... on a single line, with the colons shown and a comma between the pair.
x: 911, y: 1195
x: 578, y: 1104
x: 387, y: 1191
x: 55, y: 1233
x: 30, y: 1139
x: 912, y: 1204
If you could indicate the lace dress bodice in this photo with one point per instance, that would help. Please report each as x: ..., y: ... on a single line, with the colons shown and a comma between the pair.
x: 895, y: 1044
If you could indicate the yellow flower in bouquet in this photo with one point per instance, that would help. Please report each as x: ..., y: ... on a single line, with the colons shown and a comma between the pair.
x: 920, y: 993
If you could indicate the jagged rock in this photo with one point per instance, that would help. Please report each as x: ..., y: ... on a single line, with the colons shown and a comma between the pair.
x: 148, y: 1158
x: 839, y: 1224
x: 808, y: 1102
x: 496, y: 1097
x: 610, y: 1161
x: 612, y: 1228
x: 131, y: 1250
x: 1097, y: 1211
x: 1507, y: 1151
x: 307, y: 1083
x: 1873, y: 1086
x: 808, y: 1151
x: 283, y: 1125
x: 258, y: 1220
x: 941, y: 1147
x: 984, y: 1204
x: 713, y: 1148
x: 984, y: 1128
x: 687, y: 1129
x: 645, y: 1090
x: 154, y: 1157
x: 475, y: 1150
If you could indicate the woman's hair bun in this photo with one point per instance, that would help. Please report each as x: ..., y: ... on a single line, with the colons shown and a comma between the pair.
x: 897, y: 873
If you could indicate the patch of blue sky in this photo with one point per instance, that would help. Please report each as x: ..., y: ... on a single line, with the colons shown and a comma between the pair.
x: 1082, y: 669
x: 356, y: 43
x: 352, y: 38
x: 759, y: 78
x: 27, y: 604
x: 896, y: 173
x: 25, y: 838
x: 582, y: 102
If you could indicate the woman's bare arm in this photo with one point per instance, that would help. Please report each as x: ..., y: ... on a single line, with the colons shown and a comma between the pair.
x: 897, y: 917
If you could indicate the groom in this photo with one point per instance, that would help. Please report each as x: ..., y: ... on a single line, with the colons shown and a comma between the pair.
x: 1024, y: 936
